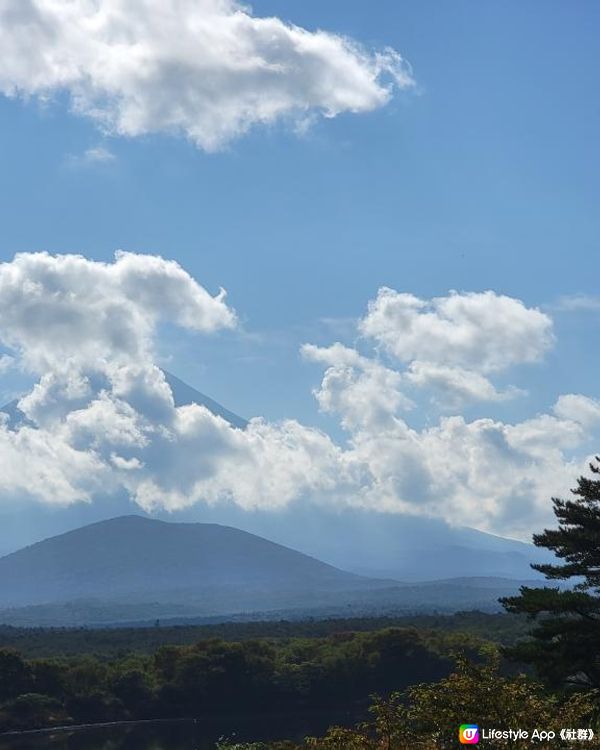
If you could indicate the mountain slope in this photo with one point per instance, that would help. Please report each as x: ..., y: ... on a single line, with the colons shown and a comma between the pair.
x: 142, y: 559
x: 184, y: 394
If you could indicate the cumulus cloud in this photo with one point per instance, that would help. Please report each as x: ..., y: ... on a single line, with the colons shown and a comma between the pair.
x: 208, y: 69
x: 58, y: 309
x: 165, y: 456
x: 455, y: 386
x: 87, y: 330
x: 362, y: 391
x: 448, y: 346
x: 486, y: 473
x: 102, y: 417
x: 41, y: 464
x: 483, y: 331
x: 578, y: 408
x: 263, y: 466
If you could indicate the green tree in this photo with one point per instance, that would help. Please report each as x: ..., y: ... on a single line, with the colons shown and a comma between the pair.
x: 134, y: 689
x: 15, y: 675
x: 49, y: 677
x: 565, y: 643
x: 480, y: 694
x: 32, y: 711
x: 427, y: 716
x: 86, y: 676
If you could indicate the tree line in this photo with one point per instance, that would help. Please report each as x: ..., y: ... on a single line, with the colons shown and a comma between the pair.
x: 115, y: 642
x: 216, y: 676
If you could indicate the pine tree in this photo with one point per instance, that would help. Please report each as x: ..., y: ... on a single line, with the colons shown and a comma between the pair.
x: 565, y: 643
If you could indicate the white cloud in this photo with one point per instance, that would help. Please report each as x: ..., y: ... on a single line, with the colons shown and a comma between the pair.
x: 87, y: 328
x: 166, y: 457
x: 484, y: 331
x: 362, y: 391
x: 485, y: 473
x: 60, y: 309
x: 455, y: 386
x: 476, y: 473
x: 265, y: 465
x: 581, y: 409
x: 208, y: 69
x: 102, y: 416
x: 55, y: 396
x: 579, y: 303
x: 41, y: 464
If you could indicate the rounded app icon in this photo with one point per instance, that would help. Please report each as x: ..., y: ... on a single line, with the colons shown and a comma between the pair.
x: 468, y: 734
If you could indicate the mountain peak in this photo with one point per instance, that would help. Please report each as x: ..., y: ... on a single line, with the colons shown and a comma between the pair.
x: 141, y: 558
x: 183, y: 395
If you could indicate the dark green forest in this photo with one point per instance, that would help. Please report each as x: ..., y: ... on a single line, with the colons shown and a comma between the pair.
x: 117, y: 642
x: 215, y: 676
x: 427, y: 716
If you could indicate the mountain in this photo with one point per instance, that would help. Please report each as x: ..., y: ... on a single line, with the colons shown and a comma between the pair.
x: 134, y: 570
x: 138, y: 559
x: 364, y: 542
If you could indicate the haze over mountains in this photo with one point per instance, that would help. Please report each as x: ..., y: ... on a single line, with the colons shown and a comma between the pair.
x: 134, y: 569
x: 372, y: 544
x: 387, y: 545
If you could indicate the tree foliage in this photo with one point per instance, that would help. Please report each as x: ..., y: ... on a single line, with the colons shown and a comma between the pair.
x: 213, y: 677
x: 427, y: 716
x: 565, y: 642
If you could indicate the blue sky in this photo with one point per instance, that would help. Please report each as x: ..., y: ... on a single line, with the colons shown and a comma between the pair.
x: 485, y: 176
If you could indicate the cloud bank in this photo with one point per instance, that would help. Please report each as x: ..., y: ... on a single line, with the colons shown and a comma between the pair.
x: 101, y: 416
x: 207, y: 69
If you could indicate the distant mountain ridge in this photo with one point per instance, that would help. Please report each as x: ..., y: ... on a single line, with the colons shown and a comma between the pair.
x: 137, y: 558
x: 383, y: 545
x: 134, y: 569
